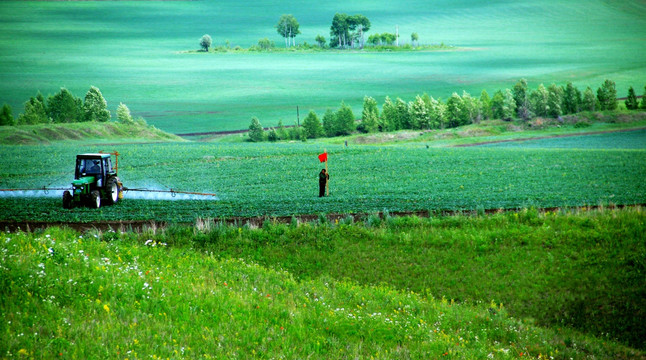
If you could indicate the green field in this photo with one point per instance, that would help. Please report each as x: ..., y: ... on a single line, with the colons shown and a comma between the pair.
x: 269, y: 179
x: 132, y: 51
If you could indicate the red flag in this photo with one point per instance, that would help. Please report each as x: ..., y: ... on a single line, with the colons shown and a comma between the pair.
x: 323, y: 157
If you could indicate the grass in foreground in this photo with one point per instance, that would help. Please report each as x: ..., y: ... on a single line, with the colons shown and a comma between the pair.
x: 162, y: 294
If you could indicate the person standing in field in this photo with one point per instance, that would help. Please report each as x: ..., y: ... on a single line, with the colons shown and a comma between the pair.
x: 323, y: 178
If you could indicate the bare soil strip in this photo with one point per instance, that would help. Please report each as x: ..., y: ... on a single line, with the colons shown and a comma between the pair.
x: 257, y: 221
x: 550, y: 137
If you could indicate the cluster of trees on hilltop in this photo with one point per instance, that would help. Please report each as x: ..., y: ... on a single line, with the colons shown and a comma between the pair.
x: 64, y: 107
x: 426, y: 112
x: 346, y: 31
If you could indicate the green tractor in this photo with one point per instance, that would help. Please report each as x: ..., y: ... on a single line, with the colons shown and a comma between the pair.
x: 95, y: 182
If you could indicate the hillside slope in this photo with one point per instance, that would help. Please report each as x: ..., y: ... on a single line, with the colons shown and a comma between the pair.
x: 44, y: 134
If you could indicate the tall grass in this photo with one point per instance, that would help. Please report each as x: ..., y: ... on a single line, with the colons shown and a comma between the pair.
x: 182, y: 292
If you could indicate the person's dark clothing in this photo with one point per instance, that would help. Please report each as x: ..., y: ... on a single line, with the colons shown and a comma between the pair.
x: 323, y: 178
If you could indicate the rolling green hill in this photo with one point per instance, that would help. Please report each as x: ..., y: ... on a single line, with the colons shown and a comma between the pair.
x: 133, y: 52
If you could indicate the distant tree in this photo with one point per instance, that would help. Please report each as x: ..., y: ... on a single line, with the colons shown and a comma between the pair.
x: 631, y: 100
x: 123, y: 114
x: 35, y: 112
x: 288, y: 28
x: 64, y: 107
x: 554, y: 101
x: 297, y: 133
x: 369, y: 115
x: 358, y: 25
x: 374, y: 39
x: 345, y: 120
x: 320, y: 39
x: 265, y: 44
x: 455, y: 111
x: 95, y: 108
x: 312, y: 126
x: 438, y: 114
x: 472, y: 107
x: 538, y: 101
x: 388, y: 38
x: 205, y: 42
x: 6, y: 116
x: 403, y: 114
x: 509, y: 106
x: 329, y: 123
x: 419, y: 114
x: 272, y: 135
x: 282, y: 132
x: 589, y: 101
x: 521, y: 97
x: 497, y: 103
x: 340, y: 31
x: 642, y: 104
x: 607, y: 95
x: 388, y: 120
x: 256, y: 131
x: 485, y: 103
x: 571, y: 99
x: 414, y: 38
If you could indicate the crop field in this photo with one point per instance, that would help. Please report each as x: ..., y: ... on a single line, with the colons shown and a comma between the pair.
x: 281, y: 179
x: 134, y: 52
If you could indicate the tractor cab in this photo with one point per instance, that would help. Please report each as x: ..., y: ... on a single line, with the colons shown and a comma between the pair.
x: 95, y: 182
x: 98, y: 166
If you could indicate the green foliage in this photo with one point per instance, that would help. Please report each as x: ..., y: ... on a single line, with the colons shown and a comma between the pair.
x: 508, y: 106
x: 497, y: 103
x: 288, y: 28
x: 256, y: 131
x: 369, y: 115
x: 266, y: 44
x: 414, y: 38
x: 539, y: 101
x: 272, y: 135
x: 6, y: 116
x: 607, y: 95
x: 95, y: 108
x: 312, y: 126
x: 345, y: 29
x: 403, y: 114
x: 456, y: 114
x: 642, y: 104
x: 64, y: 107
x: 589, y: 102
x: 521, y: 97
x: 329, y: 123
x: 485, y: 102
x: 631, y: 100
x: 554, y: 101
x: 205, y: 42
x: 123, y: 114
x: 320, y: 40
x: 35, y: 112
x: 389, y: 121
x: 571, y: 99
x: 345, y: 124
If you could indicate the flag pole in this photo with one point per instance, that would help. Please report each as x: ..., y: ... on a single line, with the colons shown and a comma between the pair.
x: 327, y: 185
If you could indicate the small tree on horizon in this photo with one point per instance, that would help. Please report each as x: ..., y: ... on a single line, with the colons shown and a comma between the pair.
x: 95, y: 108
x: 6, y: 116
x: 320, y: 39
x: 345, y: 120
x: 256, y: 132
x: 288, y: 28
x: 414, y: 38
x: 64, y: 107
x: 589, y: 101
x: 123, y: 114
x: 312, y: 126
x: 642, y: 104
x: 205, y: 42
x: 370, y: 115
x: 35, y: 112
x: 631, y: 100
x: 607, y: 95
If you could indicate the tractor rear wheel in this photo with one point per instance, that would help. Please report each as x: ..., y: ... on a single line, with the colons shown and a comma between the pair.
x: 95, y: 199
x: 112, y: 190
x: 68, y: 200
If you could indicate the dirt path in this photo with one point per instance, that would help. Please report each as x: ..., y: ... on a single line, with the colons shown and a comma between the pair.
x: 550, y: 137
x: 257, y: 221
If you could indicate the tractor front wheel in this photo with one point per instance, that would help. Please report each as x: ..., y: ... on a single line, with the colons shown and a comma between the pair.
x: 95, y: 199
x: 68, y: 200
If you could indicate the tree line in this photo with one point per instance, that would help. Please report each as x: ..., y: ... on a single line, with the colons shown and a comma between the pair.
x: 64, y: 107
x: 346, y: 31
x: 426, y: 112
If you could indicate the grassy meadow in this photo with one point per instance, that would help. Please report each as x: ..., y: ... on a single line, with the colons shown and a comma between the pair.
x: 407, y: 288
x: 134, y: 52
